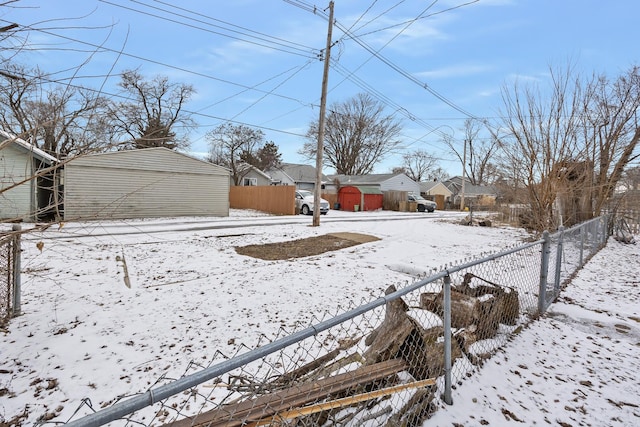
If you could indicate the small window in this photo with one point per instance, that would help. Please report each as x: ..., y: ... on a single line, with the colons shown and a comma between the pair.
x: 250, y: 182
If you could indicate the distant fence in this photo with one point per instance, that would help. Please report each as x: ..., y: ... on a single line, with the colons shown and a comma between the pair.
x: 386, y: 362
x: 630, y: 218
x: 10, y: 275
x: 275, y: 199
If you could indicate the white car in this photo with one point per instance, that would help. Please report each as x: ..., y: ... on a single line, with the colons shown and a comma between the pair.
x: 304, y: 203
x: 423, y: 204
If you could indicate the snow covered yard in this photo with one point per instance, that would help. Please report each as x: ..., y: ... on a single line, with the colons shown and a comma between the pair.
x: 85, y: 334
x: 576, y: 366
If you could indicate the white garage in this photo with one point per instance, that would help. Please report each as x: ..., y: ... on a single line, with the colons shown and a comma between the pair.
x: 152, y: 182
x: 27, y: 176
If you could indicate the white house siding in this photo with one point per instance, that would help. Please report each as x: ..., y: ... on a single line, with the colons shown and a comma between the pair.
x: 15, y: 166
x: 400, y: 182
x: 258, y: 178
x: 280, y: 177
x: 154, y: 182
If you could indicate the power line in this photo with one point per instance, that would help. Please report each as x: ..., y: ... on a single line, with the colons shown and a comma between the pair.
x: 195, y: 113
x: 379, y: 15
x: 357, y: 39
x: 363, y: 15
x: 273, y: 44
x: 99, y: 48
x: 422, y: 17
x: 233, y: 25
x: 271, y: 91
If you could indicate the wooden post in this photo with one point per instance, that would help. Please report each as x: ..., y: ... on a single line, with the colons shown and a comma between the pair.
x: 323, y: 108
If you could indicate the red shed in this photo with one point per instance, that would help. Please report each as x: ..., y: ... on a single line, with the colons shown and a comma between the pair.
x: 360, y: 198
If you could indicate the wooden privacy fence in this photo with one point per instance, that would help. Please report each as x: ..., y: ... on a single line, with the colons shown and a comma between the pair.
x: 274, y: 199
x: 278, y: 200
x: 394, y: 200
x: 398, y: 201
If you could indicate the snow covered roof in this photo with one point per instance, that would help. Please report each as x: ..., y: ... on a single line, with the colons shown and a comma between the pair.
x: 24, y: 145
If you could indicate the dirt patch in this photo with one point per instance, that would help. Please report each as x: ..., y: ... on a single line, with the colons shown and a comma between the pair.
x: 305, y: 247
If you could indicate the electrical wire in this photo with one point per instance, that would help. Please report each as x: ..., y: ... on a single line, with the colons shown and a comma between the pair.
x: 358, y: 40
x: 423, y: 17
x: 381, y: 14
x: 152, y: 61
x: 363, y: 15
x: 231, y: 24
x: 253, y: 104
x: 273, y: 44
x: 194, y: 113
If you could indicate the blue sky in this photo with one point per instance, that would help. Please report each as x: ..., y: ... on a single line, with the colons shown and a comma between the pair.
x: 255, y: 61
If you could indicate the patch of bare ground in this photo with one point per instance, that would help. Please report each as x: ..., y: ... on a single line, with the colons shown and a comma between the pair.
x: 305, y: 247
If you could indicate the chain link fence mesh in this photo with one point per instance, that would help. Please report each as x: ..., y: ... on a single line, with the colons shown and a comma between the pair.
x: 6, y: 277
x: 388, y: 362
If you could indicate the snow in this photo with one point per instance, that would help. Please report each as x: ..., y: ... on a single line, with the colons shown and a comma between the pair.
x: 578, y: 365
x: 85, y: 334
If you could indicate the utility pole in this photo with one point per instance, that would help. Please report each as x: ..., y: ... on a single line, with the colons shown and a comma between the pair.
x: 323, y: 108
x: 464, y: 174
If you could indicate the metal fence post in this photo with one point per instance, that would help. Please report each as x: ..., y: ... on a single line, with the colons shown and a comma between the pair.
x: 447, y: 340
x: 581, y: 245
x: 544, y: 270
x: 17, y: 261
x: 556, y: 281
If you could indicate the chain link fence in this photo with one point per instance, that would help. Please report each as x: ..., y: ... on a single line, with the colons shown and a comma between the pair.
x: 388, y: 362
x: 9, y: 275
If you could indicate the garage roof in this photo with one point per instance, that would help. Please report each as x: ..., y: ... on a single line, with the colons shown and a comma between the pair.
x: 367, y: 189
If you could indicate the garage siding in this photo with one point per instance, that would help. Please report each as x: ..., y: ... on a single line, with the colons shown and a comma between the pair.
x: 154, y: 182
x: 16, y: 166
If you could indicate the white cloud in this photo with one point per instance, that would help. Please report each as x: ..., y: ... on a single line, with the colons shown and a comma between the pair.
x: 454, y: 71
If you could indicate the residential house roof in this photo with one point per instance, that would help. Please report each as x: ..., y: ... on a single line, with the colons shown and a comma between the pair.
x: 438, y: 186
x: 26, y: 146
x: 455, y: 185
x: 366, y: 189
x: 362, y: 179
x: 298, y: 173
x: 245, y: 166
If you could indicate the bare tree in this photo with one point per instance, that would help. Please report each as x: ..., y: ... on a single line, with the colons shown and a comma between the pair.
x: 611, y: 132
x: 61, y: 120
x: 154, y: 117
x: 479, y: 154
x: 573, y: 147
x: 229, y: 144
x: 540, y: 135
x: 631, y: 179
x: 420, y: 165
x: 357, y: 136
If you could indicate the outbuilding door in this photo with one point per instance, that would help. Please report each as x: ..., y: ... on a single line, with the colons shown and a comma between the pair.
x: 349, y: 198
x: 356, y: 198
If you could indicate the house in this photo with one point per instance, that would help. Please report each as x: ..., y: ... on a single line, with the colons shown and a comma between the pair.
x: 152, y: 182
x: 474, y: 195
x: 252, y: 177
x: 28, y: 181
x: 302, y: 176
x: 385, y: 182
x: 437, y: 191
